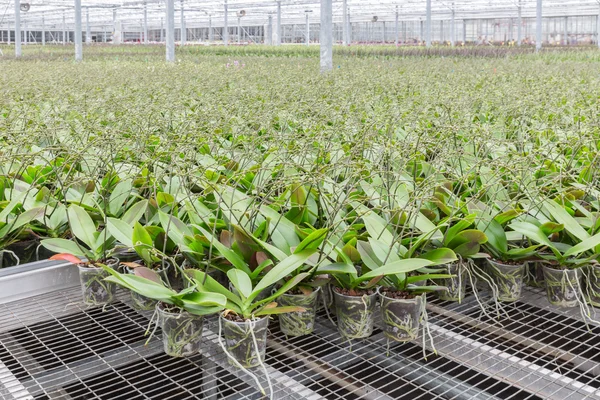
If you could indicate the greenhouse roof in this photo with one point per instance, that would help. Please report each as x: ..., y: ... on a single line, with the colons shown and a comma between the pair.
x: 198, y: 12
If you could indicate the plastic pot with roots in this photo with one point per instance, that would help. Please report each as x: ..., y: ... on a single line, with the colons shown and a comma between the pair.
x: 534, y: 273
x: 355, y: 314
x: 96, y: 291
x: 508, y: 278
x: 401, y: 317
x: 562, y: 286
x: 299, y: 323
x: 245, y: 341
x: 592, y: 284
x: 181, y: 331
x: 457, y: 285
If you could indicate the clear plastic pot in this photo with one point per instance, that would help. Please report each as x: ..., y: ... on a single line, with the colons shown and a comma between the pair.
x: 592, y: 284
x: 508, y: 278
x: 355, y: 314
x: 456, y: 286
x: 562, y: 286
x: 534, y: 273
x: 143, y: 303
x: 181, y: 332
x: 96, y: 291
x: 299, y: 323
x: 240, y: 337
x: 401, y: 317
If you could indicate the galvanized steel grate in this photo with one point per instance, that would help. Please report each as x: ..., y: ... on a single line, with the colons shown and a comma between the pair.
x: 53, y: 347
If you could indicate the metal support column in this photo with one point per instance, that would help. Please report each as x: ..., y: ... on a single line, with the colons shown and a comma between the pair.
x: 25, y: 40
x: 397, y: 28
x: 349, y: 28
x: 345, y: 22
x: 278, y: 25
x: 453, y: 27
x: 145, y: 24
x: 162, y: 31
x: 18, y: 28
x: 78, y: 34
x: 170, y: 34
x: 598, y: 29
x: 183, y: 29
x: 442, y: 33
x: 538, y: 26
x: 511, y: 24
x: 326, y: 36
x: 225, y: 26
x: 88, y: 29
x: 428, y: 27
x: 210, y: 29
x: 8, y: 33
x: 464, y: 31
x: 307, y: 38
x: 239, y: 30
x: 566, y: 33
x: 269, y: 34
x: 64, y: 37
x: 421, y: 32
x: 43, y: 31
x: 519, y: 25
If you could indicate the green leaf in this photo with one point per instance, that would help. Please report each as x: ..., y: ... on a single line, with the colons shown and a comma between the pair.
x: 142, y: 242
x: 143, y: 286
x: 135, y: 212
x: 283, y: 269
x: 277, y: 310
x: 439, y: 256
x: 551, y: 227
x: 312, y: 241
x: 507, y: 216
x: 175, y: 228
x: 119, y: 196
x: 469, y: 235
x: 495, y: 235
x: 206, y: 299
x: 336, y: 268
x: 120, y: 230
x: 583, y: 246
x: 286, y: 287
x: 241, y: 281
x: 397, y: 267
x: 229, y: 254
x: 367, y: 255
x: 207, y: 283
x: 420, y: 278
x: 563, y: 217
x: 457, y: 228
x: 65, y: 246
x: 82, y: 226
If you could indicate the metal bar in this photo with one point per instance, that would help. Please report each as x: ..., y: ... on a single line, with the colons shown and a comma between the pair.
x: 452, y: 27
x: 566, y: 32
x: 43, y: 31
x: 88, y: 31
x: 345, y: 22
x: 326, y: 36
x: 18, y: 52
x: 225, y: 25
x: 269, y: 33
x: 183, y: 29
x: 78, y: 34
x: 598, y: 29
x: 170, y: 34
x: 397, y: 28
x: 538, y: 26
x: 519, y: 25
x: 145, y: 24
x: 428, y: 27
x: 278, y: 25
x: 307, y: 36
x: 210, y: 29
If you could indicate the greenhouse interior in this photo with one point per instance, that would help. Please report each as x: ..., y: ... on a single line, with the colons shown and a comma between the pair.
x: 299, y: 199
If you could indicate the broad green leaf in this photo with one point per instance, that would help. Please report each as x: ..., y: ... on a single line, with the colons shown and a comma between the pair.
x: 120, y: 230
x: 286, y: 287
x: 469, y: 235
x: 283, y: 269
x: 367, y: 255
x: 143, y: 286
x: 119, y: 196
x: 209, y: 284
x: 278, y: 310
x: 65, y: 246
x: 241, y: 281
x: 439, y: 256
x: 459, y: 226
x: 135, y: 212
x: 563, y: 217
x: 583, y: 246
x: 229, y: 254
x: 495, y: 234
x: 82, y: 226
x: 397, y: 267
x: 313, y: 241
x: 337, y: 268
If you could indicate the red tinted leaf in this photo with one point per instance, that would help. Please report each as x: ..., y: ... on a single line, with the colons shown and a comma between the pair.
x: 67, y: 257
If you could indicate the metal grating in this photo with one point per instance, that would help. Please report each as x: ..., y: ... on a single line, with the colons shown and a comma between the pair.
x: 52, y: 347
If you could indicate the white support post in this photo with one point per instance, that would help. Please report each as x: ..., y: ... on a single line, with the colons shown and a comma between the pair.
x: 170, y: 34
x: 598, y: 29
x: 8, y: 33
x: 326, y: 36
x: 64, y: 37
x: 397, y: 28
x: 78, y: 33
x: 210, y: 29
x: 345, y: 22
x: 25, y: 31
x: 464, y: 31
x: 519, y: 25
x: 145, y: 24
x: 307, y: 38
x: 453, y: 27
x: 104, y: 34
x: 349, y: 29
x: 43, y: 30
x: 88, y: 29
x: 239, y: 30
x: 183, y: 28
x: 225, y: 26
x: 269, y: 35
x: 421, y: 31
x: 18, y: 28
x: 566, y: 33
x: 538, y: 26
x: 428, y: 27
x: 278, y: 25
x: 442, y: 33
